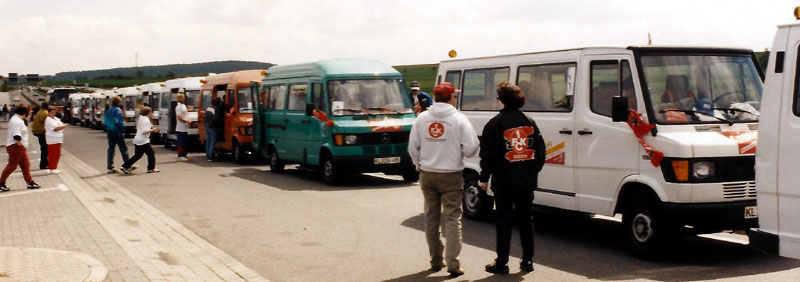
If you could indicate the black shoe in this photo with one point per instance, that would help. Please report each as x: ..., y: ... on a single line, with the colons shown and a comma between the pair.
x: 3, y: 187
x: 455, y: 272
x: 497, y: 269
x: 125, y: 170
x: 33, y: 185
x: 526, y: 266
x: 436, y: 267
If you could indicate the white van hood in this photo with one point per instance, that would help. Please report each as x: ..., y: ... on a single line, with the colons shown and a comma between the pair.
x: 705, y: 144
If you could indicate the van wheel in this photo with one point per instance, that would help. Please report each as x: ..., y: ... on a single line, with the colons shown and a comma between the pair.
x: 646, y: 228
x: 410, y: 174
x: 238, y: 154
x: 167, y: 144
x: 329, y: 172
x: 276, y: 165
x: 477, y: 204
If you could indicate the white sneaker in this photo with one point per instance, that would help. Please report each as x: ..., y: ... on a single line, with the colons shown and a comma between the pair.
x: 183, y: 159
x: 55, y: 171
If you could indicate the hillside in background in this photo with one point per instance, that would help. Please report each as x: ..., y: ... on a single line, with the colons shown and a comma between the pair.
x: 166, y: 71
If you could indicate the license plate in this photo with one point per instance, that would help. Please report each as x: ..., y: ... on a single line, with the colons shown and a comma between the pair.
x: 750, y: 212
x: 389, y: 160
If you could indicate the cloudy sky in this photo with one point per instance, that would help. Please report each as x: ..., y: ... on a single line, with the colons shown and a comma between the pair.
x: 52, y: 36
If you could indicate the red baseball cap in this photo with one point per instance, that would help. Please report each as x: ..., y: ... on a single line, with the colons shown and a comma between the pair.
x: 444, y: 89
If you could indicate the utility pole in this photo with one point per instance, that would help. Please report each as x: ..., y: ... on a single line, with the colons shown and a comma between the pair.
x: 137, y: 59
x: 649, y: 40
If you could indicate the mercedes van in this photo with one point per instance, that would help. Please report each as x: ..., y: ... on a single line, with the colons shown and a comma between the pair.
x: 151, y: 97
x: 190, y: 87
x: 675, y: 155
x: 337, y: 116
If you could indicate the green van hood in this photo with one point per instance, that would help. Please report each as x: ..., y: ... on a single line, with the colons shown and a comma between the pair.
x: 379, y: 123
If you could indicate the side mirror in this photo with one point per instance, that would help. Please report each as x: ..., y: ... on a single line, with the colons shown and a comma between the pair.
x: 619, y: 109
x: 310, y: 109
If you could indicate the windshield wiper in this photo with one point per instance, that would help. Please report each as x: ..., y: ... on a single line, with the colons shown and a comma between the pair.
x: 697, y: 112
x: 736, y: 110
x: 351, y: 110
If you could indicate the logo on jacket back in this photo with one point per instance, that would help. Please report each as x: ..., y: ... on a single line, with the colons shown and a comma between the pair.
x: 436, y: 130
x: 517, y: 143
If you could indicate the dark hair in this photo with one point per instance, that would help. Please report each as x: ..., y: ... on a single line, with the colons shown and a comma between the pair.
x: 217, y: 101
x: 21, y: 110
x: 510, y: 94
x: 45, y: 105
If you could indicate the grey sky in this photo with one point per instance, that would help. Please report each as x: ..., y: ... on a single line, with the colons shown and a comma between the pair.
x: 52, y: 36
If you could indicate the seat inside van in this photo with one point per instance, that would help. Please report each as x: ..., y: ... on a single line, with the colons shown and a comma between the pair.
x: 602, y: 96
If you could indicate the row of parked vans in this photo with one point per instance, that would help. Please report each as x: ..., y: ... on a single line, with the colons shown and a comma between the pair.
x: 665, y: 136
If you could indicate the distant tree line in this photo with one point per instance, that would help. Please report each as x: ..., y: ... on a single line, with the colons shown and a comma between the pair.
x: 165, y: 71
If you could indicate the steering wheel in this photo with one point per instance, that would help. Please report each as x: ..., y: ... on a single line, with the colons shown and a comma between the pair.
x: 726, y: 94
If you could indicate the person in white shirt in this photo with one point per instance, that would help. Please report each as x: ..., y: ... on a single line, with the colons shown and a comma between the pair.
x: 54, y: 135
x: 439, y: 140
x: 16, y: 147
x: 182, y: 128
x: 141, y: 142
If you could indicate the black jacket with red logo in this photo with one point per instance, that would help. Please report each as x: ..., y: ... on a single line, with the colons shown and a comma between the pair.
x: 512, y: 148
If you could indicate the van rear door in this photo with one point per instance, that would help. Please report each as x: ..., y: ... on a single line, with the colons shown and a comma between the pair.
x: 778, y: 183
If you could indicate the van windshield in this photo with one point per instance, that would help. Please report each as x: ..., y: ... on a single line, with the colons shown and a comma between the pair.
x: 245, y: 104
x: 702, y: 88
x: 130, y: 103
x: 192, y: 97
x: 367, y: 96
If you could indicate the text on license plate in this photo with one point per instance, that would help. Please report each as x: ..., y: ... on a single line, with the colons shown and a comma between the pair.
x: 751, y: 212
x: 389, y: 160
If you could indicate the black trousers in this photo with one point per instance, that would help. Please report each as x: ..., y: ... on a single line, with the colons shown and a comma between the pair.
x: 43, y: 149
x: 514, y: 205
x: 140, y: 150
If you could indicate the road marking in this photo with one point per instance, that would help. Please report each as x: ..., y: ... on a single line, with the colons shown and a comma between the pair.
x: 60, y: 186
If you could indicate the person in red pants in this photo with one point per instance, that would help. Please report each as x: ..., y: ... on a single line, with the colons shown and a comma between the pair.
x: 54, y: 135
x: 16, y: 147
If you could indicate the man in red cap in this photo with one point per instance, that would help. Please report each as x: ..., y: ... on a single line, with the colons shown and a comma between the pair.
x: 440, y: 139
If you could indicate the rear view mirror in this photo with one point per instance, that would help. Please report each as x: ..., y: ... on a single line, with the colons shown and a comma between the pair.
x: 310, y: 109
x: 619, y: 109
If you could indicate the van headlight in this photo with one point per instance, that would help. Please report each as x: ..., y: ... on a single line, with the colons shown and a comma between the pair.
x: 703, y: 170
x: 350, y: 139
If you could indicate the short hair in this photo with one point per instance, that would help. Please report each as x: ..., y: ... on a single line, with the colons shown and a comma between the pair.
x: 116, y: 101
x: 217, y: 101
x: 510, y: 94
x: 21, y: 110
x: 145, y: 111
x: 45, y: 105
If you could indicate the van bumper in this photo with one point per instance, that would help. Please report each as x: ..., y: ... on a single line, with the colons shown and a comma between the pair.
x: 367, y: 164
x: 712, y: 217
x: 764, y: 241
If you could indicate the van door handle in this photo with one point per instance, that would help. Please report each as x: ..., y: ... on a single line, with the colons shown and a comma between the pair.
x: 584, y: 132
x: 565, y: 131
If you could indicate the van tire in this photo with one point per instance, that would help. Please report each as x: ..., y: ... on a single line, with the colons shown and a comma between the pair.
x: 276, y: 165
x: 476, y: 203
x: 410, y: 174
x: 646, y: 228
x: 239, y: 156
x: 167, y: 144
x: 330, y: 174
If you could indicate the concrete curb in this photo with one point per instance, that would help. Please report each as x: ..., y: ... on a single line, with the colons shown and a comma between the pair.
x: 97, y: 272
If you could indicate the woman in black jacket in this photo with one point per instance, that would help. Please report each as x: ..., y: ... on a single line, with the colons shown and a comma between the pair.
x: 512, y: 153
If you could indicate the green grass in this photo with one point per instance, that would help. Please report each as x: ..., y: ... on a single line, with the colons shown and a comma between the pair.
x: 425, y: 74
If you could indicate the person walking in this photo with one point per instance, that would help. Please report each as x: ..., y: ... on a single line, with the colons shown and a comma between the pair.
x: 115, y: 126
x: 182, y: 128
x: 5, y: 112
x: 422, y: 101
x: 211, y: 120
x: 38, y: 131
x: 141, y: 142
x: 54, y: 131
x: 512, y: 154
x: 16, y: 147
x: 440, y: 138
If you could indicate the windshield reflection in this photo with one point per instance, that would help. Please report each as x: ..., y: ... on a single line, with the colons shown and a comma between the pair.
x: 191, y: 100
x: 366, y: 96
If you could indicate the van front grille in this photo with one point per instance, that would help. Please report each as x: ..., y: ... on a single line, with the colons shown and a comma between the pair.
x: 385, y: 149
x: 739, y: 190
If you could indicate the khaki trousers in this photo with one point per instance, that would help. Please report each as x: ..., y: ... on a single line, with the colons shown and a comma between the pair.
x: 443, y: 193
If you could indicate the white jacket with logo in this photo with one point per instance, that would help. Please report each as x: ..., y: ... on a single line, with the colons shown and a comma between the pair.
x: 440, y: 139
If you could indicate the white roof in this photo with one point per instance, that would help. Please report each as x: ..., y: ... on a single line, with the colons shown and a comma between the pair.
x: 188, y: 83
x: 151, y: 87
x: 128, y: 91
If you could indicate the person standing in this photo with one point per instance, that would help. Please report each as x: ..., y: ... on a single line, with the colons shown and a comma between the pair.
x: 210, y: 120
x: 38, y: 131
x: 141, y: 142
x: 421, y: 99
x: 439, y: 140
x: 512, y: 154
x: 16, y: 147
x: 54, y: 131
x: 182, y: 128
x: 5, y: 112
x: 115, y: 126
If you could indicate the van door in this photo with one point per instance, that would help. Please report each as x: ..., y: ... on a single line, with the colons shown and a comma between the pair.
x: 607, y: 152
x: 315, y: 131
x: 776, y: 162
x: 275, y: 122
x: 549, y: 90
x: 297, y: 123
x: 230, y: 114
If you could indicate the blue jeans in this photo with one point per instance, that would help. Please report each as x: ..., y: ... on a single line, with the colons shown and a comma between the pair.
x: 115, y: 138
x: 211, y: 141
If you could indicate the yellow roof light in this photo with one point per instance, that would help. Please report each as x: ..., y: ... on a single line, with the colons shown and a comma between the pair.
x: 162, y: 85
x: 452, y: 54
x: 203, y: 81
x: 263, y: 72
x: 797, y: 12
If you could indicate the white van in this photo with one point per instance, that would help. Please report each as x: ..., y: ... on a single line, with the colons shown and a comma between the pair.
x: 779, y: 149
x: 76, y: 107
x: 151, y: 97
x: 96, y: 110
x: 190, y: 87
x: 131, y: 102
x: 703, y: 106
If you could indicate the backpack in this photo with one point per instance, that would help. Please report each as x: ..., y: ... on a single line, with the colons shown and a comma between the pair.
x: 208, y: 118
x: 109, y: 120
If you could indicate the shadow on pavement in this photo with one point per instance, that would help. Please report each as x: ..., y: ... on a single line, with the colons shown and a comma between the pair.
x: 303, y: 180
x: 579, y: 244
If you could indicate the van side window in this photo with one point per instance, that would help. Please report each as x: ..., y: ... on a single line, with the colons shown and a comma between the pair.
x: 478, y: 91
x: 453, y: 77
x: 605, y: 85
x: 277, y: 97
x: 206, y: 96
x: 165, y: 100
x: 317, y: 96
x: 628, y: 90
x: 263, y: 97
x: 230, y: 99
x: 297, y: 97
x: 545, y: 87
